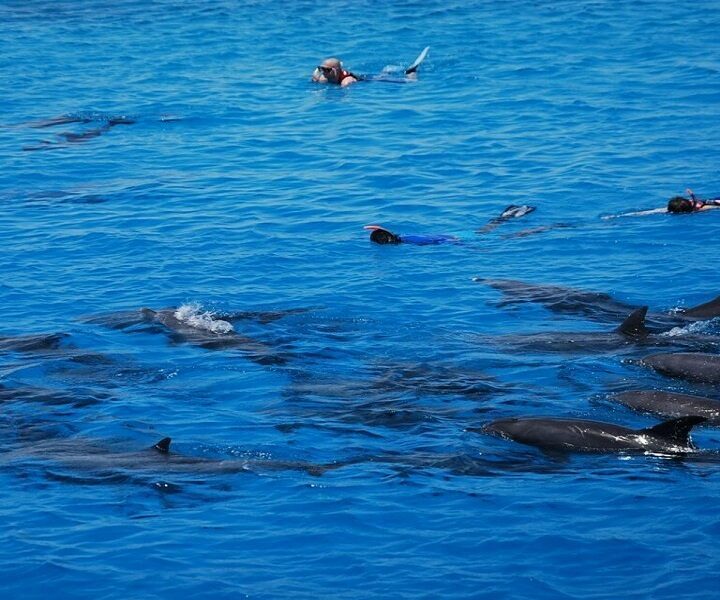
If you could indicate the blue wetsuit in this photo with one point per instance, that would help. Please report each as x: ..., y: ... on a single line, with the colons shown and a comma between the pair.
x: 426, y: 240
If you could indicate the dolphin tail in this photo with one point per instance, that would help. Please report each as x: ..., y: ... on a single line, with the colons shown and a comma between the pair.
x: 634, y: 325
x: 163, y: 445
x: 676, y: 430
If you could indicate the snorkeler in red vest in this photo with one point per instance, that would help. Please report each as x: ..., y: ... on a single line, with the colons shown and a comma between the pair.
x: 331, y: 71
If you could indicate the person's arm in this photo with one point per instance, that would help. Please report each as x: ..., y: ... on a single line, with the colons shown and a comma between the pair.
x: 348, y: 80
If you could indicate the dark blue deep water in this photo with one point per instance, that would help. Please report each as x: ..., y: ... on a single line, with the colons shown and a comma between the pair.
x: 321, y: 391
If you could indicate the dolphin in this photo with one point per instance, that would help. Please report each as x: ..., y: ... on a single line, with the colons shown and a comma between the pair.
x: 577, y: 435
x: 693, y: 366
x: 71, y: 137
x: 670, y: 404
x: 633, y: 331
x: 595, y: 305
x: 208, y: 333
x: 91, y: 456
x: 630, y: 332
x: 708, y: 310
x: 32, y: 343
x: 50, y: 397
x: 184, y: 331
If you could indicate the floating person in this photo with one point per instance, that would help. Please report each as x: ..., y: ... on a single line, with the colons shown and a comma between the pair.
x: 331, y: 71
x: 676, y: 205
x: 680, y: 204
x: 380, y: 235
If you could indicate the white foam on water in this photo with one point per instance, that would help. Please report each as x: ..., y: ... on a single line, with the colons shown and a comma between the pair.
x: 194, y: 315
x: 696, y: 327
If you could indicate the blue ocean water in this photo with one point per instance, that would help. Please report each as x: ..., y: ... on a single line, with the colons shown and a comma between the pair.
x: 174, y: 155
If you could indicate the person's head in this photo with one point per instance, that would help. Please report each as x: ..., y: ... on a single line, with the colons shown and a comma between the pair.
x: 383, y: 236
x: 331, y: 70
x: 678, y: 204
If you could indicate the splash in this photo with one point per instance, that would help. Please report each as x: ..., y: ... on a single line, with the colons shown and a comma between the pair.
x: 692, y: 328
x: 194, y: 315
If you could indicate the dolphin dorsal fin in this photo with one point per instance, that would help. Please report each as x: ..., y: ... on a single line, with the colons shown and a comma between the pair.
x: 163, y: 445
x: 676, y: 430
x: 634, y: 325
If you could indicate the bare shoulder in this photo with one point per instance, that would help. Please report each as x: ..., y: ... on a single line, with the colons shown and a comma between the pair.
x: 348, y: 81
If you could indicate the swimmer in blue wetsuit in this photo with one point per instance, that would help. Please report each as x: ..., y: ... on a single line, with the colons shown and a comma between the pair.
x: 380, y: 235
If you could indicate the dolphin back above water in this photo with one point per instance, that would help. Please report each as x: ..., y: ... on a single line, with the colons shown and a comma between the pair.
x: 577, y: 435
x: 708, y: 310
x: 693, y: 366
x: 670, y: 404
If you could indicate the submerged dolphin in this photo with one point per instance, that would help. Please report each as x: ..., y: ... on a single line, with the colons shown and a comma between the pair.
x: 595, y: 305
x: 184, y: 331
x: 670, y: 404
x: 208, y: 333
x: 32, y: 343
x: 560, y: 299
x: 72, y: 137
x: 578, y: 435
x: 631, y: 332
x: 89, y: 455
x: 693, y: 366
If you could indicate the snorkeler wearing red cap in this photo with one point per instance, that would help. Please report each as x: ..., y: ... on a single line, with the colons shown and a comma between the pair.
x: 380, y: 235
